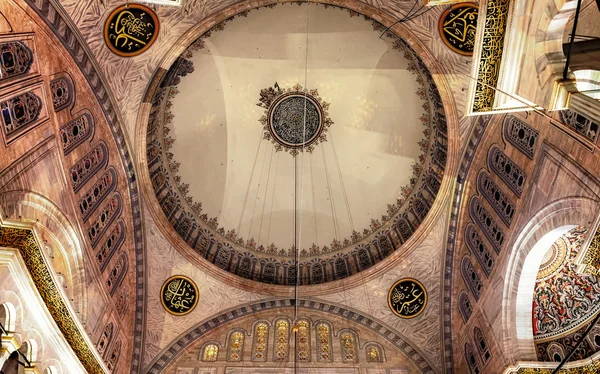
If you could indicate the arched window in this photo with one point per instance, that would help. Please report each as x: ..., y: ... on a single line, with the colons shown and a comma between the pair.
x: 113, y: 242
x: 117, y: 273
x: 282, y: 338
x: 324, y: 342
x: 8, y: 316
x: 464, y: 305
x: 486, y: 221
x: 374, y: 352
x: 341, y: 268
x: 235, y: 348
x: 479, y: 249
x: 121, y: 305
x: 260, y: 342
x: 471, y: 278
x: 210, y: 353
x: 581, y: 124
x: 15, y: 59
x: 555, y: 352
x: 497, y: 199
x: 85, y: 168
x: 105, y: 338
x: 62, y: 93
x: 507, y: 170
x: 113, y: 357
x: 482, y: 346
x: 317, y: 272
x: 471, y: 359
x: 19, y: 113
x: 364, y: 258
x: 348, y: 344
x: 303, y: 341
x: 245, y: 268
x: 76, y: 131
x: 403, y: 228
x: 269, y: 273
x: 109, y: 212
x: 520, y: 135
x: 95, y: 195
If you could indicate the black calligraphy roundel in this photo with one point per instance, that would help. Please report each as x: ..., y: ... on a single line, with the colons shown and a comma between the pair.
x: 457, y: 27
x: 130, y: 30
x: 407, y: 298
x: 179, y: 295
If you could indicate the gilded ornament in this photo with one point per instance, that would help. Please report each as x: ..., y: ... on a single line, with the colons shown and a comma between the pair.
x: 130, y: 30
x: 407, y: 298
x: 457, y: 27
x: 25, y: 242
x: 179, y: 295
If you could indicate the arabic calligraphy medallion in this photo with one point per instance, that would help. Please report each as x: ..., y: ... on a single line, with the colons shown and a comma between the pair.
x: 130, y: 30
x: 179, y: 295
x: 457, y: 27
x: 407, y: 298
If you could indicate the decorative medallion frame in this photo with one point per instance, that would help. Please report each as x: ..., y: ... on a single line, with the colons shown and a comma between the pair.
x: 131, y: 31
x: 468, y: 38
x: 166, y: 287
x: 395, y: 296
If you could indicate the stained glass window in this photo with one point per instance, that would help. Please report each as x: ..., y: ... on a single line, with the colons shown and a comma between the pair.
x: 303, y: 341
x: 259, y: 342
x: 211, y: 352
x: 348, y: 347
x: 373, y: 353
x: 323, y: 342
x: 236, y: 346
x: 282, y: 336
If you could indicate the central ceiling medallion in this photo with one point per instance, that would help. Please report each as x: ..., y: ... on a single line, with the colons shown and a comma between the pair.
x: 295, y: 119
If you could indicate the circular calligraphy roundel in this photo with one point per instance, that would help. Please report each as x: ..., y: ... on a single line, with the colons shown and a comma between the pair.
x: 407, y: 298
x: 179, y: 295
x: 457, y: 27
x: 130, y: 30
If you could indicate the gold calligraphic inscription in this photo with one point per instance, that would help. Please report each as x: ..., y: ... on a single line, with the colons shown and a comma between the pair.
x: 24, y: 241
x: 592, y: 256
x: 407, y: 298
x: 130, y: 30
x: 179, y: 295
x: 496, y: 18
x: 457, y: 26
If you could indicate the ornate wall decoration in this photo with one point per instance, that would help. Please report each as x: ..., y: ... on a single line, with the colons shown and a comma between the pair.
x: 96, y: 194
x: 477, y: 246
x: 130, y: 30
x: 282, y: 339
x: 295, y: 119
x: 457, y: 27
x: 210, y: 353
x: 581, y: 124
x: 592, y: 256
x: 260, y: 342
x: 19, y: 113
x: 105, y: 339
x: 471, y: 359
x: 505, y: 168
x: 227, y: 249
x: 302, y: 340
x: 63, y: 92
x: 348, y: 343
x: 113, y: 357
x: 324, y: 342
x: 563, y: 300
x: 15, y: 59
x: 24, y: 240
x: 407, y: 298
x: 110, y: 211
x: 486, y: 222
x: 116, y: 275
x: 179, y: 295
x: 497, y: 199
x: 492, y: 46
x: 113, y: 242
x: 471, y: 278
x: 482, y: 346
x: 76, y: 131
x: 374, y: 352
x: 85, y: 168
x: 235, y: 347
x: 464, y: 306
x: 520, y: 135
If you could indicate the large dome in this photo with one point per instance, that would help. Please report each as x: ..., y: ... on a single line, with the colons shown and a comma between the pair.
x: 296, y: 133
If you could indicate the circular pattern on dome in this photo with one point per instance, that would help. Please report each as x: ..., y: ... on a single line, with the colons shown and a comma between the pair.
x: 232, y: 197
x: 295, y: 120
x: 179, y: 295
x: 554, y: 259
x: 407, y: 298
x: 457, y: 27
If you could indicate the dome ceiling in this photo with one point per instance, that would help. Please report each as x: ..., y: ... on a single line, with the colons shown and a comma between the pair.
x: 296, y: 128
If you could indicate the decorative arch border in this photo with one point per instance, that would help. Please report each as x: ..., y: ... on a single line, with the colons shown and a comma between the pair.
x: 60, y: 24
x: 184, y: 340
x: 554, y: 219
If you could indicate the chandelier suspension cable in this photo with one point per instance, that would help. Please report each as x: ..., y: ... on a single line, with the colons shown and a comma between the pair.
x: 239, y: 227
x: 336, y: 230
x: 314, y: 203
x: 339, y: 170
x: 264, y: 202
x: 262, y: 170
x: 272, y: 199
